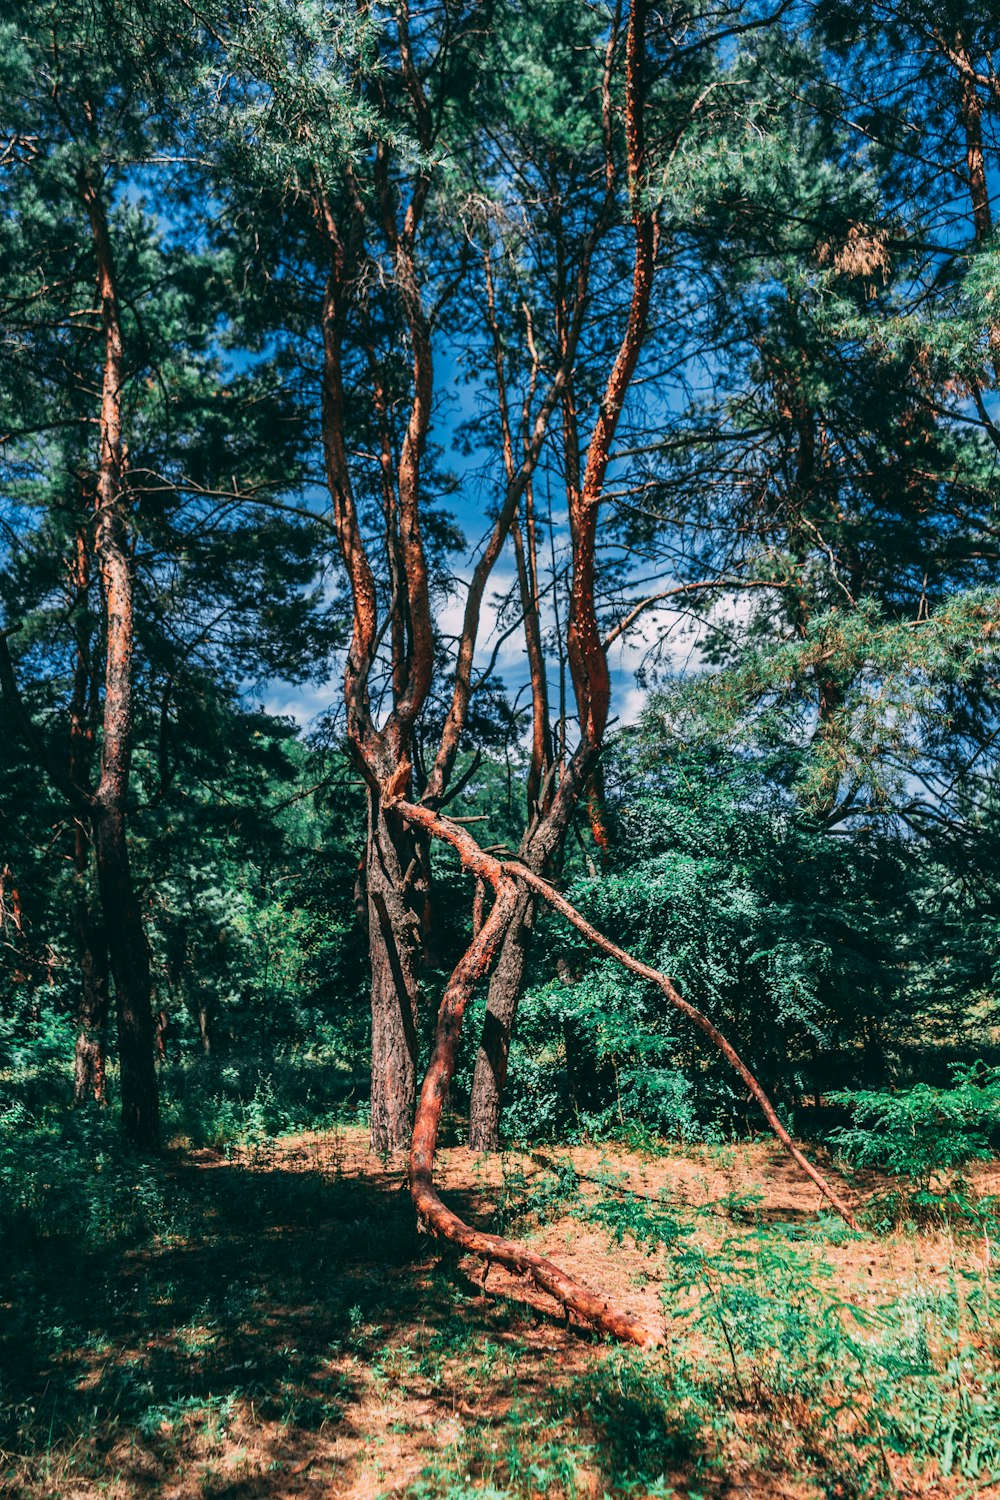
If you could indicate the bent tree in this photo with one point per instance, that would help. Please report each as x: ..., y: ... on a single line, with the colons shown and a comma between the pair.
x: 472, y: 966
x: 388, y: 243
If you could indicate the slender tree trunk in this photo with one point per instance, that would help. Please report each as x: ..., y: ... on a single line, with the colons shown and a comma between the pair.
x: 89, y: 1072
x: 541, y: 850
x: 392, y: 941
x: 585, y: 648
x: 975, y: 158
x: 127, y: 947
x: 501, y: 1010
x: 129, y: 955
x: 204, y: 1030
x: 89, y: 1075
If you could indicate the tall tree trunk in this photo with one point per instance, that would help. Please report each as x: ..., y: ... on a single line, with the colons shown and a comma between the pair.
x: 204, y: 1028
x: 129, y: 955
x: 586, y: 649
x: 971, y: 107
x: 392, y: 941
x: 89, y: 1071
x: 89, y: 1076
x: 127, y: 946
x: 501, y: 1010
x: 541, y: 850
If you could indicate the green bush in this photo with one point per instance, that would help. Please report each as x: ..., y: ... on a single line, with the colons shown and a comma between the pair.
x: 922, y: 1133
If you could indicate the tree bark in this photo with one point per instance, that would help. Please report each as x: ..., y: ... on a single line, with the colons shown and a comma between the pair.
x: 971, y: 108
x: 574, y: 1296
x: 129, y: 955
x: 392, y: 941
x: 586, y: 650
x: 89, y: 1072
x: 89, y: 1063
x: 541, y: 850
x: 127, y: 947
x: 501, y: 1010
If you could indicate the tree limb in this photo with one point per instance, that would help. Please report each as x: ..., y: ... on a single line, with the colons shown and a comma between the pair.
x: 502, y: 874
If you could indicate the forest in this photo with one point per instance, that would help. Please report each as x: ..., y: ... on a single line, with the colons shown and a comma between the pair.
x: 500, y: 709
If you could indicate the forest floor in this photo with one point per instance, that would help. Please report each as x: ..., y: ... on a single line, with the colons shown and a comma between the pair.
x: 284, y: 1330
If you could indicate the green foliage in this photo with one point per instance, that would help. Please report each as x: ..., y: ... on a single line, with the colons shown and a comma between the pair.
x: 781, y: 1349
x: 595, y: 1058
x: 67, y: 1178
x: 859, y: 954
x: 923, y: 1133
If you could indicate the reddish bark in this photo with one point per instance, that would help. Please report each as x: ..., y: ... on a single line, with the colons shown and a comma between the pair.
x: 587, y: 652
x: 397, y: 874
x: 645, y: 971
x: 103, y: 810
x: 587, y: 658
x: 540, y: 849
x: 972, y: 124
x: 490, y: 1076
x: 590, y: 1306
x: 385, y: 882
x: 338, y: 477
x: 392, y: 944
x: 526, y: 557
x: 501, y: 874
x: 89, y: 1063
x: 394, y: 873
x: 127, y: 946
x: 518, y: 486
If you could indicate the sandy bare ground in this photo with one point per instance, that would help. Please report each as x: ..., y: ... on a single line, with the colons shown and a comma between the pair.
x: 295, y: 1335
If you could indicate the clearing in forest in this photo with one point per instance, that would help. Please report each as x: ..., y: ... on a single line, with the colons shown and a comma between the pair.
x: 284, y: 1329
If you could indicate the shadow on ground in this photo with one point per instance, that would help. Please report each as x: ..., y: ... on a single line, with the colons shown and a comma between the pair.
x: 280, y: 1322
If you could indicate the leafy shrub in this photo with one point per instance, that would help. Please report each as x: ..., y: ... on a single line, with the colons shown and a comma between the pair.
x: 923, y: 1133
x: 596, y: 1058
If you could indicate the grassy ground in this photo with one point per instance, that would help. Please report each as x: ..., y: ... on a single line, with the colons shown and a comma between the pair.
x: 273, y: 1324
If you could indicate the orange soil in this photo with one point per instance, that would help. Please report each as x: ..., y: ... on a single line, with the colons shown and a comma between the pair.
x: 400, y: 1412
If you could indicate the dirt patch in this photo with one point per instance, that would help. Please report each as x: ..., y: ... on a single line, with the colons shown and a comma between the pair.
x: 290, y: 1332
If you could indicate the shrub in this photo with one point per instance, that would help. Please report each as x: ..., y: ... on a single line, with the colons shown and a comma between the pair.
x: 923, y: 1133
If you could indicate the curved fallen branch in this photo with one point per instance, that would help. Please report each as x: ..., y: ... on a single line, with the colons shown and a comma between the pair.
x: 503, y: 874
x: 473, y: 965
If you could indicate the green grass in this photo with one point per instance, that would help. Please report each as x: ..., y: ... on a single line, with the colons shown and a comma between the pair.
x: 228, y: 1328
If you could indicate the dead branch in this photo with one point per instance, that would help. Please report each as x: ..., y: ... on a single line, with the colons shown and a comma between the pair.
x: 501, y: 874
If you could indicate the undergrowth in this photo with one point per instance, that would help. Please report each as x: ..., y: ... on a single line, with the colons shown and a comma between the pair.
x: 770, y: 1363
x: 172, y: 1326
